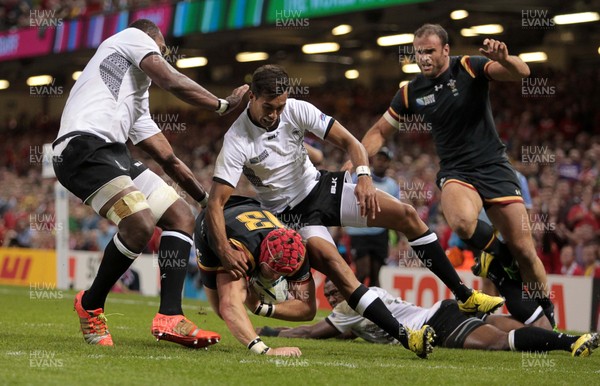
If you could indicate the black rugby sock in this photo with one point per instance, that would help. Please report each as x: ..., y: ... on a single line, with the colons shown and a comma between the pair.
x: 368, y: 304
x: 431, y: 253
x: 115, y: 262
x: 548, y: 308
x: 497, y: 274
x: 173, y: 257
x: 485, y: 239
x: 538, y: 339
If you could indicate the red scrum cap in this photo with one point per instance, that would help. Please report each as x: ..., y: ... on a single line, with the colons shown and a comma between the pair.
x: 282, y: 250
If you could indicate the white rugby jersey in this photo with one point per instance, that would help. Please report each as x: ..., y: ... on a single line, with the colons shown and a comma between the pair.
x: 275, y: 162
x: 110, y: 97
x: 344, y: 318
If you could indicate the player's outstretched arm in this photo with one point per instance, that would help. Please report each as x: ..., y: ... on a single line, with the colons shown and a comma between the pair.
x: 377, y: 135
x: 505, y: 67
x: 374, y: 139
x: 303, y: 306
x: 232, y: 294
x: 320, y: 330
x: 171, y: 80
x: 159, y: 148
x: 233, y: 260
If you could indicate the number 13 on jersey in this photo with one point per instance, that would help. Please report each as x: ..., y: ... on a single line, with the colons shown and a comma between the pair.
x: 258, y: 219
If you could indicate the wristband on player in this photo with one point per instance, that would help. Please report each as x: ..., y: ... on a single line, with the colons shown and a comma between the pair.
x: 204, y: 200
x: 265, y: 309
x: 257, y: 346
x: 363, y: 171
x: 223, y: 106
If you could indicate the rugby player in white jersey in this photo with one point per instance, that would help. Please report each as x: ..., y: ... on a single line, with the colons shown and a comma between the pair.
x: 108, y: 106
x: 453, y: 328
x: 265, y: 144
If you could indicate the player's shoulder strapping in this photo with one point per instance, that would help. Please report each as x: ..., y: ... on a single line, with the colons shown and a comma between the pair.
x: 399, y: 103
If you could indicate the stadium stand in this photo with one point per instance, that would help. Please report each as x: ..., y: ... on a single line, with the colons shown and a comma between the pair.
x: 563, y: 132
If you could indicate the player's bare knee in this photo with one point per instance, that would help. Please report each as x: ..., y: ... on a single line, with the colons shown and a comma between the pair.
x: 463, y: 226
x: 542, y: 322
x: 499, y: 344
x: 409, y: 219
x: 179, y: 217
x: 523, y: 251
x: 137, y: 230
x: 226, y: 308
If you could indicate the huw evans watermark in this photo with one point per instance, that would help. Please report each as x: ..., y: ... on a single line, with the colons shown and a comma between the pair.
x: 44, y: 222
x: 169, y: 122
x: 294, y: 88
x: 37, y: 156
x: 416, y: 191
x: 534, y: 359
x: 44, y: 18
x: 414, y: 123
x: 536, y: 291
x: 170, y: 259
x: 44, y: 358
x: 291, y: 19
x: 44, y: 291
x: 47, y: 90
x: 536, y: 19
x: 537, y: 87
x: 540, y: 155
x: 538, y: 223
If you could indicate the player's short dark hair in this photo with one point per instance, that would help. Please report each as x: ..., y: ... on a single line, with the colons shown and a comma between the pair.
x: 146, y: 26
x: 270, y: 81
x: 433, y: 29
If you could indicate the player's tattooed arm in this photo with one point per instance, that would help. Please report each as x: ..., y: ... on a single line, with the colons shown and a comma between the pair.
x: 184, y: 88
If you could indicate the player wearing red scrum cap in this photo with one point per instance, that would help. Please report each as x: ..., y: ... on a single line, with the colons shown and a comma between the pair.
x: 273, y: 251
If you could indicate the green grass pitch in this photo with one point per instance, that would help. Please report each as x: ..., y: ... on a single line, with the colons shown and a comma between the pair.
x: 40, y: 344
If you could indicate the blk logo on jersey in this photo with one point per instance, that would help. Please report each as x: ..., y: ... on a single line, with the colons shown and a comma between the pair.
x: 333, y: 185
x: 426, y: 100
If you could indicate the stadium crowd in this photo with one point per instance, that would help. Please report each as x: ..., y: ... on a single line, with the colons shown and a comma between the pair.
x: 39, y: 13
x: 552, y: 137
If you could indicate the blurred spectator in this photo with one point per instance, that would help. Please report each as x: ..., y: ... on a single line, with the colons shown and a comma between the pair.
x: 19, y: 13
x: 370, y: 246
x: 568, y: 264
x: 16, y: 13
x: 128, y: 283
x: 104, y: 233
x: 591, y: 265
x: 21, y: 236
